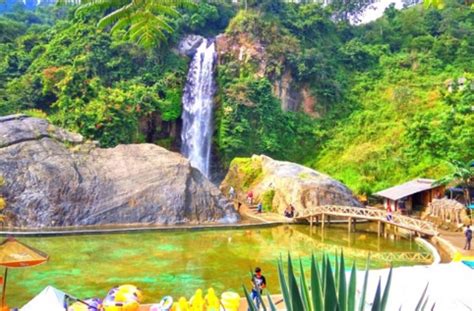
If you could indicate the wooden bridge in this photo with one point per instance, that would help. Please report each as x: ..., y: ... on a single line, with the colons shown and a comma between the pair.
x: 389, y: 257
x: 321, y: 214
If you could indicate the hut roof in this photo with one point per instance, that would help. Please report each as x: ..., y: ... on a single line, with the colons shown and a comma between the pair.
x: 406, y: 189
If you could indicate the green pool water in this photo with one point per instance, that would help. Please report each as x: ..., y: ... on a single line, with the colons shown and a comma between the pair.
x: 179, y: 262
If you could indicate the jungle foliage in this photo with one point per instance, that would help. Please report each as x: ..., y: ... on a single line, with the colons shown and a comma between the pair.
x: 392, y: 98
x: 56, y: 63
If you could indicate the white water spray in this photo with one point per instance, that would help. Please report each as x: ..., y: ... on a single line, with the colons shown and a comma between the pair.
x: 196, y: 134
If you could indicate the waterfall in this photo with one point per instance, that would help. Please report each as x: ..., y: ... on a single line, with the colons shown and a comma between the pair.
x: 196, y: 134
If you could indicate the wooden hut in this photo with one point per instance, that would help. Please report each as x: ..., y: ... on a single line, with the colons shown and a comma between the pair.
x: 411, y: 196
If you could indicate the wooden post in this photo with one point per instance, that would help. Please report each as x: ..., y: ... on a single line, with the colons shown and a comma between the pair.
x: 311, y: 221
x: 323, y: 220
x: 379, y: 228
x: 349, y: 225
x: 4, y: 287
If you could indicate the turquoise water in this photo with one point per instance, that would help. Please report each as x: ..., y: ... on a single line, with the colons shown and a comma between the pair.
x: 179, y: 262
x: 468, y: 263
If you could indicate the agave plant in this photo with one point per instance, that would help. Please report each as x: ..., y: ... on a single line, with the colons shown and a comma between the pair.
x: 328, y: 289
x: 147, y: 22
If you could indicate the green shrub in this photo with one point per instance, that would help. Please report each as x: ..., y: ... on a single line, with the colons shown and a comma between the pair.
x: 248, y: 171
x: 267, y: 200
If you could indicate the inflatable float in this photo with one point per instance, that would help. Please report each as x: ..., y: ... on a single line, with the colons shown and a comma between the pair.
x: 230, y: 301
x: 92, y: 304
x: 166, y: 304
x: 123, y: 298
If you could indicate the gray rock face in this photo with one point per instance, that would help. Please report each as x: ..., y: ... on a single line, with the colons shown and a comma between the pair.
x: 189, y: 44
x: 285, y: 183
x: 53, y: 179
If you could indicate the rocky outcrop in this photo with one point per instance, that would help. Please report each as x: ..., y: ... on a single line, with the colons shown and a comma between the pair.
x: 279, y: 184
x: 249, y: 51
x: 53, y: 178
x: 446, y: 213
x: 189, y: 44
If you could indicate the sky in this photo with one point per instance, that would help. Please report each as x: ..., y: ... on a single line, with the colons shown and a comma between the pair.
x: 377, y: 11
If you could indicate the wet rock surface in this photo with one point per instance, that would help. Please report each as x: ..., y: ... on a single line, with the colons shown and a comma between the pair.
x: 53, y: 178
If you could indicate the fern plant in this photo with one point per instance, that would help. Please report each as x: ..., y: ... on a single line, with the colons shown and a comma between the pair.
x: 147, y: 22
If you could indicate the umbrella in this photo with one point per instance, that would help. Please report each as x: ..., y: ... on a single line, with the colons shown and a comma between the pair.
x: 14, y: 254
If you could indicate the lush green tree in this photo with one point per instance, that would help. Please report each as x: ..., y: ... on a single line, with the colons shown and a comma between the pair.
x: 389, y: 100
x: 251, y: 121
x: 91, y: 82
x: 346, y: 10
x: 462, y: 174
x: 148, y: 22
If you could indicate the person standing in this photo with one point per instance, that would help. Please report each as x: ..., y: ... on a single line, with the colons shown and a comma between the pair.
x: 259, y: 207
x: 258, y: 284
x: 389, y: 213
x: 232, y: 193
x: 287, y: 212
x: 468, y: 235
x: 250, y: 197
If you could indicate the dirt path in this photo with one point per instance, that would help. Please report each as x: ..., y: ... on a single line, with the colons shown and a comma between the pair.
x: 457, y: 240
x: 265, y: 217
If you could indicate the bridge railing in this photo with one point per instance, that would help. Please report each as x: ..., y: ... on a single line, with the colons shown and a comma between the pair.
x: 370, y: 213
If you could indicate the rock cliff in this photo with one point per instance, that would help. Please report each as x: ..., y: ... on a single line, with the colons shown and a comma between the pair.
x: 53, y: 178
x: 249, y: 51
x: 277, y: 184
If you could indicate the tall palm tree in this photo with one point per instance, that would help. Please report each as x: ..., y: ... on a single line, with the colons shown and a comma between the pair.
x: 147, y: 22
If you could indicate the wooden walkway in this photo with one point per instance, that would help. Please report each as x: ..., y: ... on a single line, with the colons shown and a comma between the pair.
x: 321, y: 214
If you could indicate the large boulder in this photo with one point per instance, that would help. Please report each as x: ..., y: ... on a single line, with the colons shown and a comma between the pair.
x: 53, y: 178
x: 277, y: 184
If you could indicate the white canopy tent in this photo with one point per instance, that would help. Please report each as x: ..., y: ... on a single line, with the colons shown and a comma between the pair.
x: 50, y: 299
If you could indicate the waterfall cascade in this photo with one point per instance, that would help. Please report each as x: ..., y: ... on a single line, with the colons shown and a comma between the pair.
x: 196, y: 134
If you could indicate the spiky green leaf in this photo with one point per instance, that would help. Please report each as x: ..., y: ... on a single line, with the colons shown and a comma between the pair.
x: 387, y: 290
x: 296, y: 300
x: 316, y: 289
x: 284, y: 286
x: 351, y: 294
x: 304, y: 289
x: 342, y: 285
x: 250, y: 302
x: 330, y: 296
x: 364, y: 286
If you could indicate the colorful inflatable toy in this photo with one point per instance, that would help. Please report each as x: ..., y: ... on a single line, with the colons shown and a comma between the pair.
x: 181, y: 305
x: 166, y: 304
x: 230, y: 301
x: 212, y: 302
x: 93, y: 304
x: 123, y: 298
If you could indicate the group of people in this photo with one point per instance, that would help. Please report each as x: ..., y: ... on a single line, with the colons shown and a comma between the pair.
x: 289, y: 211
x: 232, y: 196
